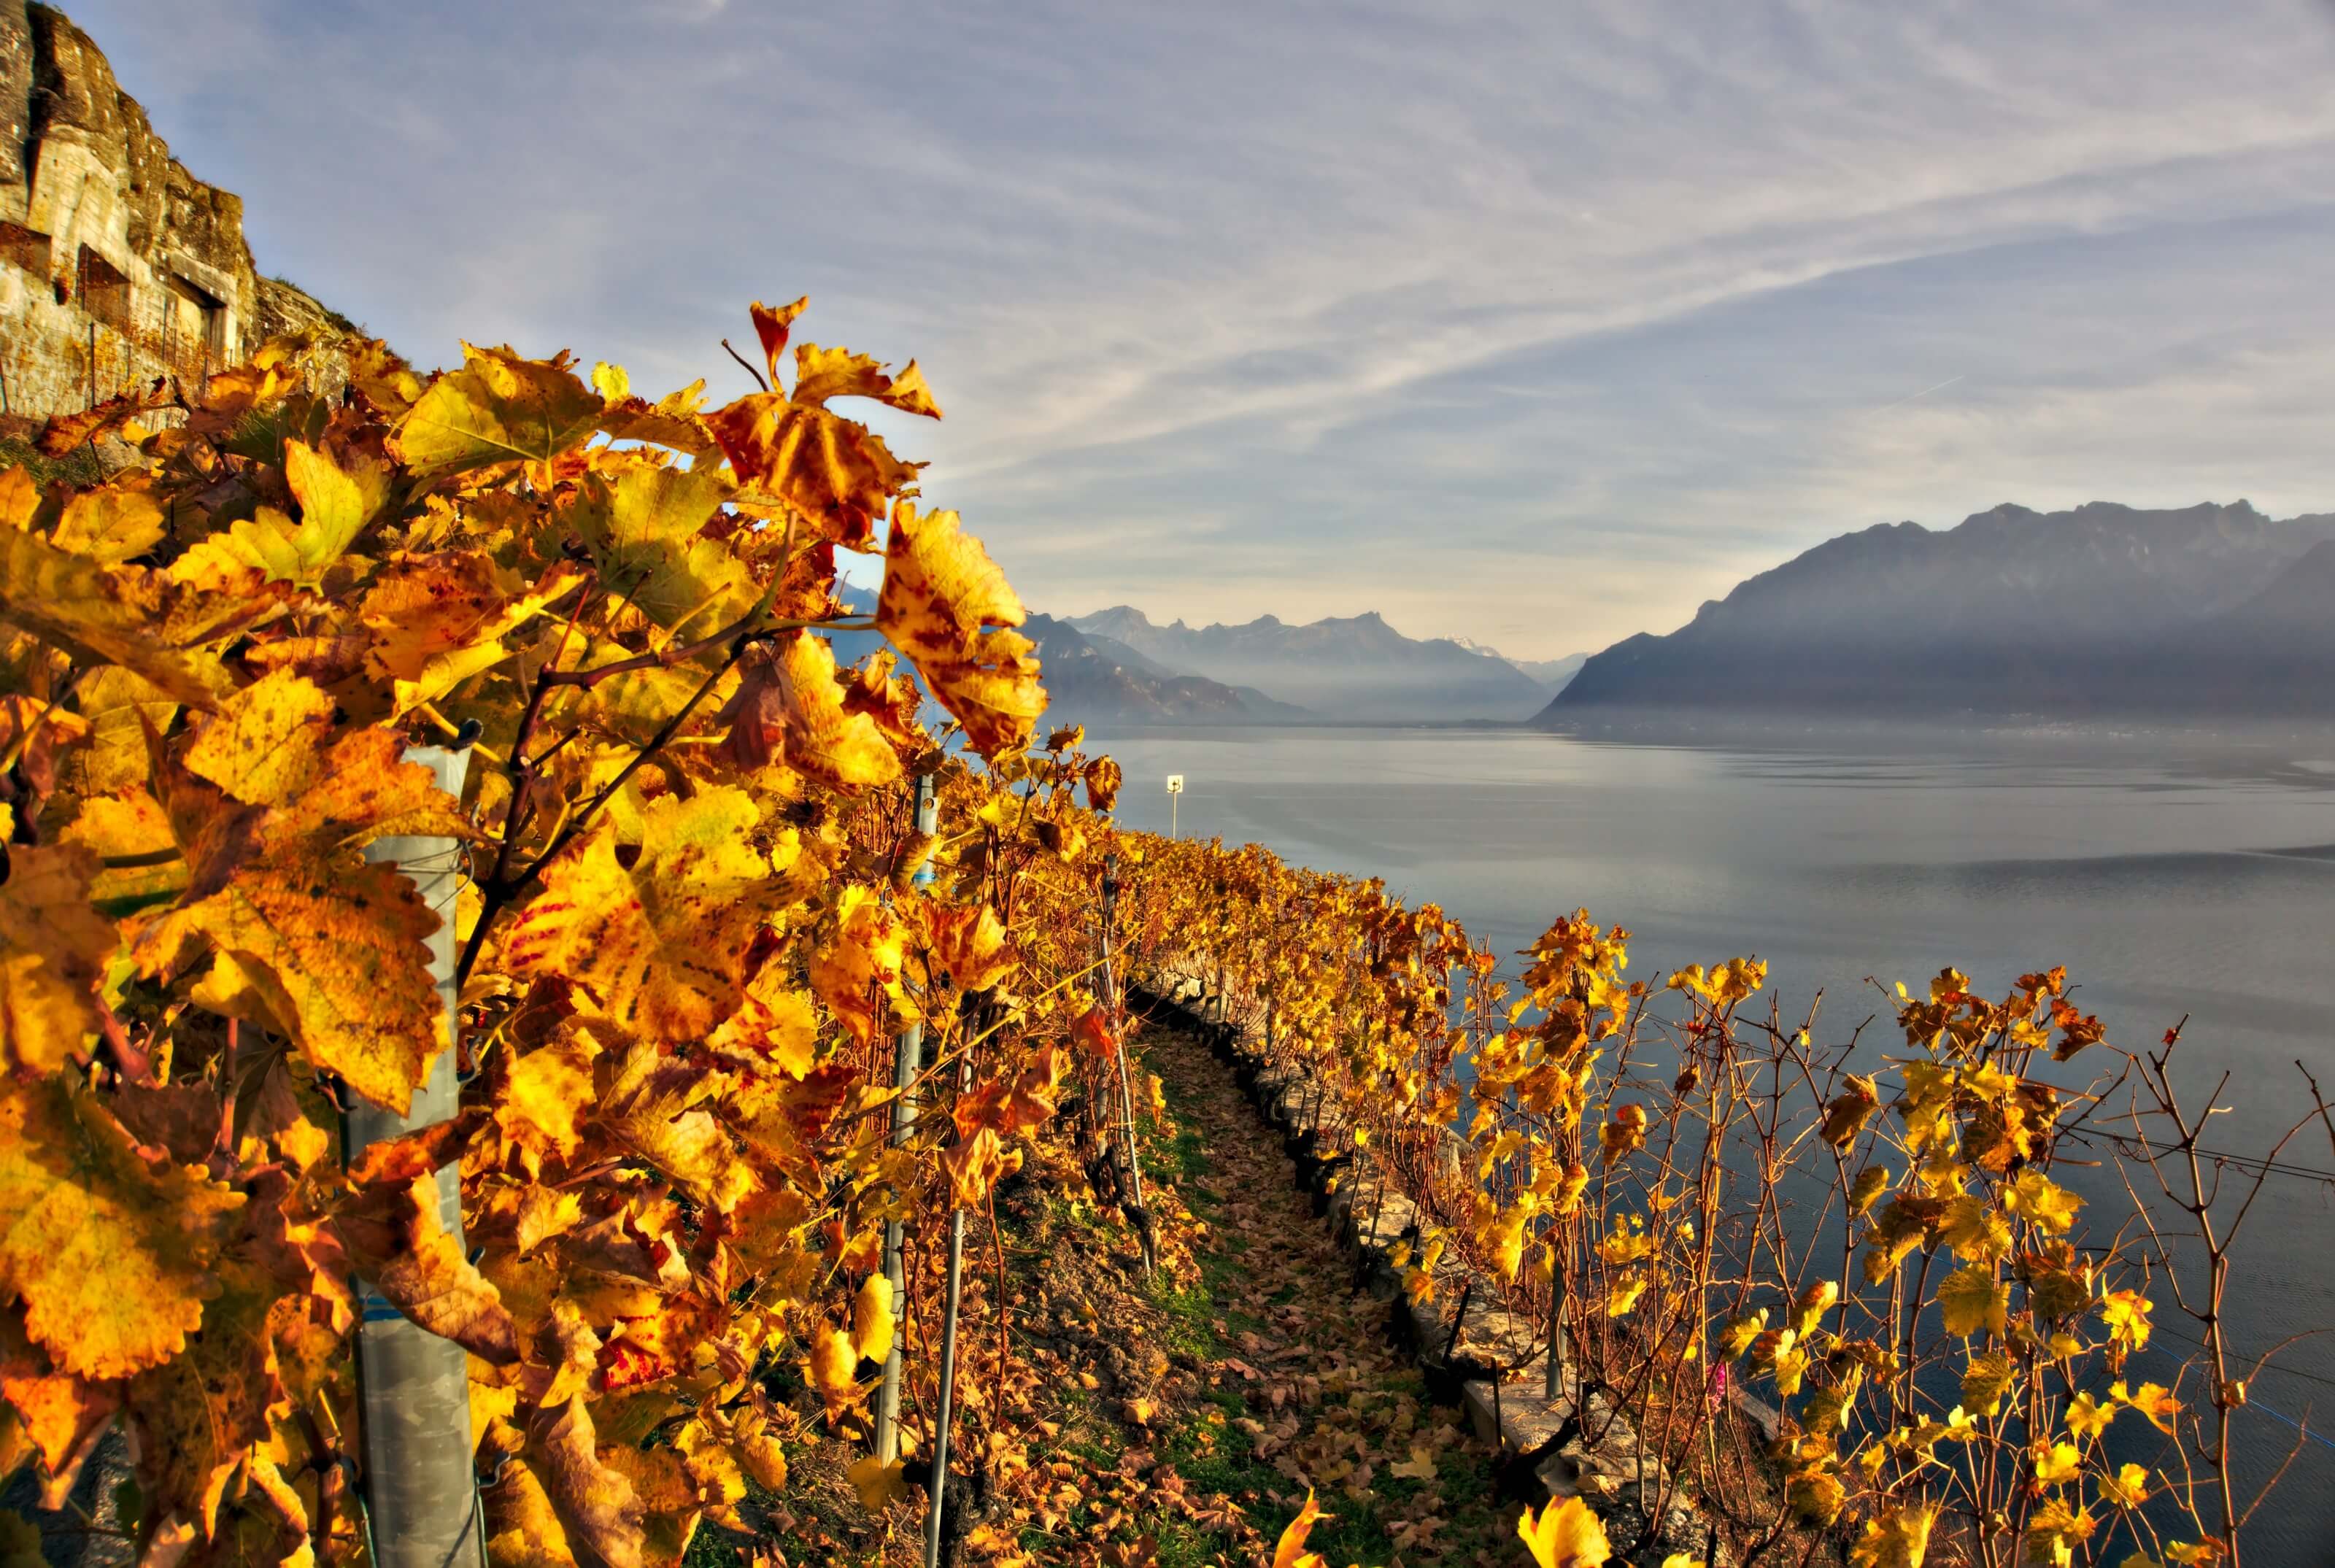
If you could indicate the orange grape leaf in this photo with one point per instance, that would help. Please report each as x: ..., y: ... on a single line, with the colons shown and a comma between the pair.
x: 55, y: 951
x: 438, y: 620
x: 601, y: 1513
x: 772, y: 327
x: 1102, y: 780
x: 199, y: 1415
x: 947, y: 606
x: 966, y: 944
x: 836, y: 474
x: 111, y: 1255
x: 821, y: 373
x: 821, y: 737
x: 660, y: 945
x: 1290, y: 1552
x: 63, y: 1416
x: 75, y: 603
x: 396, y: 1239
x: 976, y: 1164
x: 497, y: 408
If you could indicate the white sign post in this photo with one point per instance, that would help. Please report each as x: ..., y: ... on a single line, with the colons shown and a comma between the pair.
x: 1175, y: 790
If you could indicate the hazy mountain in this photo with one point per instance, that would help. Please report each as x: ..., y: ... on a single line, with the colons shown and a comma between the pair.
x: 2102, y: 610
x: 1356, y: 669
x: 1093, y: 680
x: 1552, y: 673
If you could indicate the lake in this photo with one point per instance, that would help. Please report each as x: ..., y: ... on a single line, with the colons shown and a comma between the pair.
x: 2171, y: 875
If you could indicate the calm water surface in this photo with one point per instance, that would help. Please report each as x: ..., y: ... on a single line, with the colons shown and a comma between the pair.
x: 2171, y: 876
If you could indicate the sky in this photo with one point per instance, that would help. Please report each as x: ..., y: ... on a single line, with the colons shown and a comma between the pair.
x: 1536, y: 323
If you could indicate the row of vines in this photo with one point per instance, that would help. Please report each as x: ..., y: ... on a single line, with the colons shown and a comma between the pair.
x: 699, y: 915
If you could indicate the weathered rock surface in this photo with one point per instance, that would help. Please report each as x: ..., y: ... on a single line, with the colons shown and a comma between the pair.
x: 117, y: 265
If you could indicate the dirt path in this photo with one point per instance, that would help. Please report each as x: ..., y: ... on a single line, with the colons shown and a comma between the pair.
x: 1179, y: 1421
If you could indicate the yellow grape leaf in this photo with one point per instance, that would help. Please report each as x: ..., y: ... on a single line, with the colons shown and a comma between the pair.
x: 660, y: 945
x: 335, y: 952
x: 111, y: 1257
x: 1985, y: 1381
x: 2088, y: 1418
x: 821, y: 373
x: 2153, y: 1400
x: 676, y: 419
x: 20, y: 498
x: 645, y: 528
x: 947, y: 606
x: 544, y: 1093
x: 823, y: 739
x: 1816, y: 1496
x: 2127, y: 1489
x: 1566, y: 1536
x: 75, y: 603
x: 864, y: 950
x: 438, y: 620
x: 55, y: 951
x: 879, y: 1485
x: 774, y: 1024
x: 381, y: 377
x: 1846, y: 1116
x: 1290, y: 1552
x: 339, y: 494
x: 1973, y: 1299
x: 110, y: 524
x: 1899, y: 1538
x: 114, y: 700
x: 1102, y: 780
x: 871, y: 1319
x: 2041, y: 1202
x: 1419, y: 1467
x: 830, y: 1364
x: 497, y: 408
x: 1975, y: 1230
x: 596, y: 1506
x: 262, y: 745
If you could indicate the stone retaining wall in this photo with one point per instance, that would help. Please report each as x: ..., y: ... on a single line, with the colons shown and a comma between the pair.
x: 1471, y: 1352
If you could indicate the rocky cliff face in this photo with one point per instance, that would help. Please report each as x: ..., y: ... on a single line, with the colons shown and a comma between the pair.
x: 117, y: 265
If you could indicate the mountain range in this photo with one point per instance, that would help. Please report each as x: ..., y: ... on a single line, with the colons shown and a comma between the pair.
x: 2105, y: 610
x: 1354, y: 669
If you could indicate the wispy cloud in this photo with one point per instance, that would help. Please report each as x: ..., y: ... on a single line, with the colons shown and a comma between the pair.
x: 1541, y: 322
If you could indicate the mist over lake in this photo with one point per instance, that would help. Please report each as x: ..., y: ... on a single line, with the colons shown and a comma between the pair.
x: 2173, y: 875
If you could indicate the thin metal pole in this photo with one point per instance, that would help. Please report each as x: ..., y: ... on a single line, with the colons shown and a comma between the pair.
x: 906, y: 1063
x: 413, y: 1426
x: 1174, y: 802
x: 1118, y: 1046
x: 948, y: 1363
